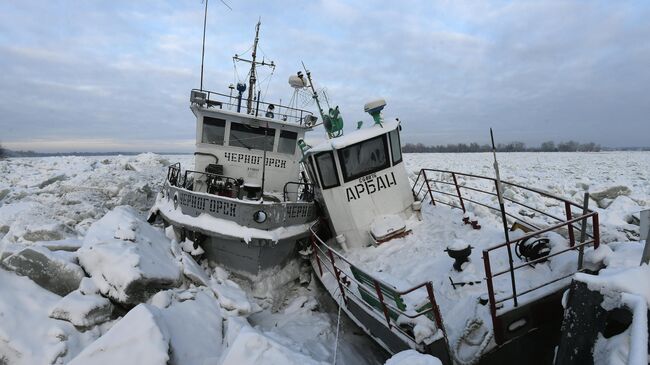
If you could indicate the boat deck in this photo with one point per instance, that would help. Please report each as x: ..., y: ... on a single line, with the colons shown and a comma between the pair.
x: 420, y: 257
x: 493, y: 299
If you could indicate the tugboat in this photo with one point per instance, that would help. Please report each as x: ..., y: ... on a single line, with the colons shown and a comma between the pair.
x: 460, y: 266
x: 245, y: 204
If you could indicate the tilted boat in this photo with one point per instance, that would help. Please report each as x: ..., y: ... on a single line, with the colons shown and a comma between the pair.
x: 244, y: 203
x: 465, y: 267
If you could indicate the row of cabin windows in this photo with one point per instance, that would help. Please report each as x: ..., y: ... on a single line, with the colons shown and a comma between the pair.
x: 242, y: 135
x: 358, y: 160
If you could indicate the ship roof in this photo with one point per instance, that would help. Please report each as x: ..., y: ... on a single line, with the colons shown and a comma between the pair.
x: 355, y: 137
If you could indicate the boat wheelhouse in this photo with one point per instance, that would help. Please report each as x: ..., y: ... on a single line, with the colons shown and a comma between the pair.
x: 422, y: 262
x: 245, y: 203
x: 364, y: 174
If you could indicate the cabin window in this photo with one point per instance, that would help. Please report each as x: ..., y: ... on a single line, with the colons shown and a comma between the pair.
x: 329, y: 178
x: 364, y: 158
x: 395, y: 147
x: 287, y: 143
x: 213, y: 130
x: 242, y: 135
x: 309, y: 164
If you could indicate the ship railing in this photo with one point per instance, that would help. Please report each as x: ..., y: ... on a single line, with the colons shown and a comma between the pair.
x: 174, y: 174
x: 259, y: 108
x: 298, y: 191
x: 461, y: 190
x: 212, y: 183
x: 490, y: 276
x: 390, y: 304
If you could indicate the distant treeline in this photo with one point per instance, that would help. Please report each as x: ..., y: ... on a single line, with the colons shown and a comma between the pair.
x: 10, y: 153
x: 550, y: 146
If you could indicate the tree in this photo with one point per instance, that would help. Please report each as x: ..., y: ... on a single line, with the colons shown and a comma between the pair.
x: 569, y: 146
x: 548, y: 146
x: 2, y: 152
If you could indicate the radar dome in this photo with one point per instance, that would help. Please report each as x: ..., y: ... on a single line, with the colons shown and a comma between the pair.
x: 297, y: 81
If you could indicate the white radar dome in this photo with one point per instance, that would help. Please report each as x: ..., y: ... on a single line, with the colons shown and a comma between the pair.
x: 374, y: 106
x: 297, y: 81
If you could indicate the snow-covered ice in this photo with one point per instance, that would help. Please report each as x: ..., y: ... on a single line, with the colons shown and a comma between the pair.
x: 128, y: 259
x: 60, y: 204
x: 83, y: 307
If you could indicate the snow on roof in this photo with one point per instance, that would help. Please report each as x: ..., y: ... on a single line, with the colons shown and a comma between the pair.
x: 355, y: 137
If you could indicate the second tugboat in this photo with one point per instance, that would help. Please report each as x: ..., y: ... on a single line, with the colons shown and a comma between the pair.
x: 479, y: 283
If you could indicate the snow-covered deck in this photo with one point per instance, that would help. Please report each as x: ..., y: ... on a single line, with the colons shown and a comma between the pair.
x: 467, y: 305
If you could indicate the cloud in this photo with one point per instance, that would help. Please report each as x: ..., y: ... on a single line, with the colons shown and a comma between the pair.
x: 122, y: 71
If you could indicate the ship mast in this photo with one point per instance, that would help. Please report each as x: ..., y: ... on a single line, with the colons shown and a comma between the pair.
x: 251, y: 82
x: 253, y: 72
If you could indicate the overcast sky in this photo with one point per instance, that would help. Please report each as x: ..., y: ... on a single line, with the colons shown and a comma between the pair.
x: 115, y: 75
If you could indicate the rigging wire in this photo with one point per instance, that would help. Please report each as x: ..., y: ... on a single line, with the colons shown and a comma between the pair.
x: 338, y: 325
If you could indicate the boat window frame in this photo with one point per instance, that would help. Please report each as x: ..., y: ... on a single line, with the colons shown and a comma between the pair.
x: 399, y: 145
x: 311, y: 169
x: 280, y: 137
x: 320, y: 173
x: 210, y: 122
x: 270, y: 137
x: 387, y: 164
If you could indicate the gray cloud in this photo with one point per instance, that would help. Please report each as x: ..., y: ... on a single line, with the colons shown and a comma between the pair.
x: 120, y: 72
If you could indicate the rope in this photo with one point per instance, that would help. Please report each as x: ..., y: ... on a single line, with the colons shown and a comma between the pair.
x: 336, y: 339
x: 471, y: 325
x: 338, y: 323
x: 269, y: 82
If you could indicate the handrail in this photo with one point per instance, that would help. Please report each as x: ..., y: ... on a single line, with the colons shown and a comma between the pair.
x: 568, y: 221
x: 307, y: 192
x: 538, y: 191
x: 290, y: 114
x: 215, y: 183
x: 344, y: 280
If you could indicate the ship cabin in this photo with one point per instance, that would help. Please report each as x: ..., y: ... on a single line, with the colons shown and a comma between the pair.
x: 241, y: 151
x: 361, y: 180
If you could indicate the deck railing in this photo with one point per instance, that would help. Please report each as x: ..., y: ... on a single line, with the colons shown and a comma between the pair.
x: 445, y: 187
x: 214, y: 183
x: 332, y: 261
x: 259, y: 108
x: 298, y: 191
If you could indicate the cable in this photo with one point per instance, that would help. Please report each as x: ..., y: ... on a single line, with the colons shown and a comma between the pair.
x: 338, y: 324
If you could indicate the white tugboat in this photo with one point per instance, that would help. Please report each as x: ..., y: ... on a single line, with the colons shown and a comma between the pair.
x: 244, y: 203
x: 457, y: 265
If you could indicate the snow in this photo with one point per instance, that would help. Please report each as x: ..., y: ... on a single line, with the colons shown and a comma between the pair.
x: 59, y: 203
x: 49, y: 270
x: 208, y: 223
x: 355, y: 136
x: 136, y: 339
x: 250, y: 347
x: 623, y: 283
x: 194, y: 323
x: 127, y: 266
x: 83, y: 307
x: 612, y: 174
x: 412, y: 357
x: 27, y: 334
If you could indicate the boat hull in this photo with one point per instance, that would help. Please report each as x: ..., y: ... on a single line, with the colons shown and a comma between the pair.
x: 226, y: 230
x: 533, y: 343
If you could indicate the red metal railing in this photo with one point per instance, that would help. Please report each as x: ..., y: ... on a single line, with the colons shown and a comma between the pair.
x: 329, y: 259
x: 550, y: 222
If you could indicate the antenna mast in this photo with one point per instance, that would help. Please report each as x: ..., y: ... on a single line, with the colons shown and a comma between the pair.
x: 253, y: 72
x: 503, y: 214
x: 314, y: 93
x: 205, y: 20
x: 253, y: 78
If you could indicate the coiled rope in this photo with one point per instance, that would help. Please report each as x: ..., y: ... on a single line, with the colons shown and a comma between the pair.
x: 471, y: 325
